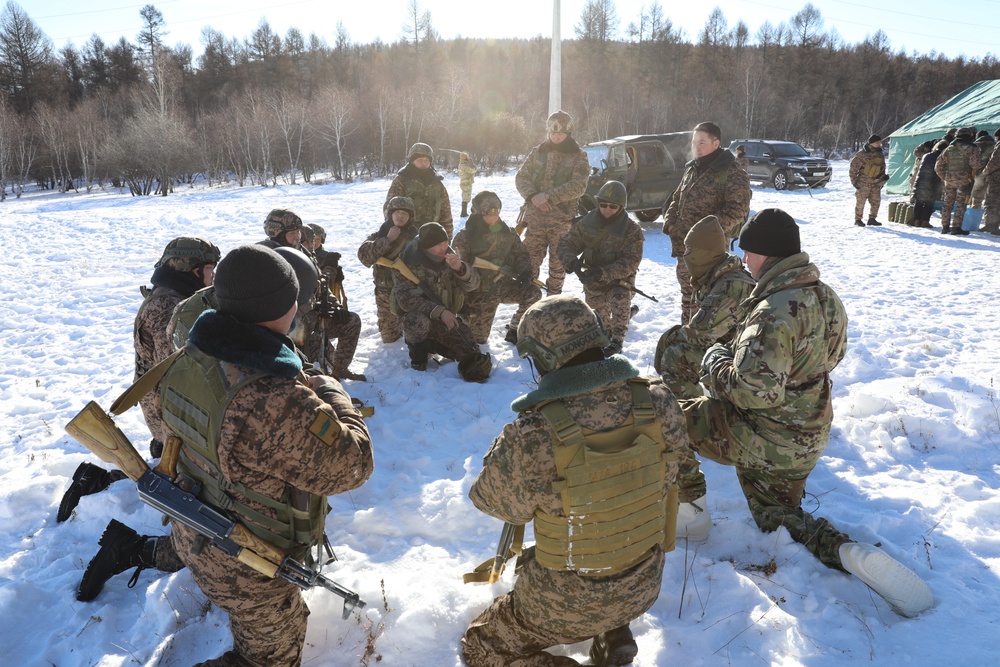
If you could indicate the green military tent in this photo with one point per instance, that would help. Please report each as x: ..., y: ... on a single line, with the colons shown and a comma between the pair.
x: 978, y: 106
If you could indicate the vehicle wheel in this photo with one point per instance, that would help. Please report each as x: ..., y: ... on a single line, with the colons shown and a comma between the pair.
x: 780, y: 180
x: 648, y: 215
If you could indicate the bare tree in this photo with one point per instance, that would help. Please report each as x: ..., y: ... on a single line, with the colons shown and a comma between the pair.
x: 291, y: 116
x: 335, y: 117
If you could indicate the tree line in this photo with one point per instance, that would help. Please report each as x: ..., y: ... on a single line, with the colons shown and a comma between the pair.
x: 268, y: 108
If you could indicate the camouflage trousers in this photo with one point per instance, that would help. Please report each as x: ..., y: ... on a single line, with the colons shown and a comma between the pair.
x: 613, y: 306
x: 978, y: 192
x: 482, y: 307
x: 541, y: 237
x: 266, y: 616
x: 870, y: 192
x: 456, y: 343
x: 688, y: 304
x: 772, y: 476
x: 956, y: 198
x: 345, y: 329
x: 679, y: 364
x: 390, y: 325
x: 165, y: 556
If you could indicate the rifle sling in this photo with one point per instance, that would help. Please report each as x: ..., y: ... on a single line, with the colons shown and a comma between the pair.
x: 145, y: 384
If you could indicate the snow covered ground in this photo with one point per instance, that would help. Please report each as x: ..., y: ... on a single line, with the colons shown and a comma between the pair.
x: 912, y: 464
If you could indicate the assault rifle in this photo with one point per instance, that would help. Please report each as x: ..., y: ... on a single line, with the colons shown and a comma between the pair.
x: 511, y: 538
x: 480, y: 263
x: 95, y: 429
x: 520, y: 224
x: 629, y: 286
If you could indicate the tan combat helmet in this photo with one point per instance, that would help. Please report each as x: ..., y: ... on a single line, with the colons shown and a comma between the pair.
x: 186, y: 253
x: 279, y: 221
x: 400, y: 204
x: 558, y: 328
x: 559, y: 122
x: 420, y: 150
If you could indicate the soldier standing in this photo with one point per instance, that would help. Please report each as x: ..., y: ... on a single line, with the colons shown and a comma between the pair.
x: 991, y: 200
x: 552, y: 180
x: 278, y: 448
x: 769, y: 408
x: 741, y: 158
x: 712, y: 184
x: 591, y: 571
x: 418, y: 181
x: 398, y: 229
x: 721, y: 285
x: 957, y: 167
x: 985, y: 143
x: 927, y: 186
x: 487, y: 237
x: 431, y: 295
x: 605, y: 248
x: 466, y: 176
x: 867, y: 174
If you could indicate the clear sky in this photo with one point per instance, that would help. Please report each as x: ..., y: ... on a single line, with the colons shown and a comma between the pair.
x: 969, y: 27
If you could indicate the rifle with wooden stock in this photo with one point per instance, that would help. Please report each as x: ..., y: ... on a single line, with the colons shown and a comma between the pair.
x: 480, y: 263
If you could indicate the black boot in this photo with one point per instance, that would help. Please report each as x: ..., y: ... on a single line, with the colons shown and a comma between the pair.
x: 465, y: 210
x: 121, y: 548
x: 87, y: 479
x: 615, y: 647
x: 859, y: 222
x: 418, y: 356
x: 614, y: 347
x: 872, y: 222
x: 476, y: 367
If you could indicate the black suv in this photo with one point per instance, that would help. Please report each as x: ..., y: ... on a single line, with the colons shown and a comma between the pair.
x: 650, y: 166
x: 783, y: 163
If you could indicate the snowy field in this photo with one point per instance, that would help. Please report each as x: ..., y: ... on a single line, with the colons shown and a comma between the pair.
x: 912, y: 464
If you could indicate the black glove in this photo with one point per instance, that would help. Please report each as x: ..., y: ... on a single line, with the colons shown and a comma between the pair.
x: 713, y: 357
x: 589, y: 276
x: 339, y: 316
x: 525, y: 277
x: 573, y: 265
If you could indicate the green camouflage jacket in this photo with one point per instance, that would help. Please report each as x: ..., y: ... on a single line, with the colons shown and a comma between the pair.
x: 503, y: 248
x: 378, y: 245
x: 428, y: 193
x: 615, y: 247
x: 561, y: 171
x: 794, y: 334
x: 958, y: 164
x: 439, y: 278
x: 867, y: 167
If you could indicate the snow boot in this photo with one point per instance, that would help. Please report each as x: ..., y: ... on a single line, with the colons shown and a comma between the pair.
x: 418, y: 356
x: 511, y: 336
x: 958, y: 231
x: 87, y: 479
x: 614, y: 647
x: 897, y: 584
x: 945, y: 230
x: 872, y: 222
x: 465, y: 210
x: 694, y: 521
x: 348, y: 375
x: 859, y: 222
x: 476, y: 367
x: 121, y: 548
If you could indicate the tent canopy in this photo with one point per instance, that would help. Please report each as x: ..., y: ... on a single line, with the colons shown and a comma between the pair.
x: 978, y: 106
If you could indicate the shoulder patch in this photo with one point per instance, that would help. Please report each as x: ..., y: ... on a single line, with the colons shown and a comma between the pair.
x: 326, y: 427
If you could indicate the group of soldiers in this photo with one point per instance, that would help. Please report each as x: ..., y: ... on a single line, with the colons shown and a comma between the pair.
x: 960, y: 169
x: 599, y: 459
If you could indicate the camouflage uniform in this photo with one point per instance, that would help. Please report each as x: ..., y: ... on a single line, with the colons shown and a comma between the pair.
x: 428, y: 193
x: 466, y: 176
x: 720, y: 296
x: 271, y: 441
x: 505, y: 249
x: 423, y: 329
x: 390, y: 325
x: 743, y: 162
x: 549, y: 606
x: 867, y: 174
x: 713, y: 185
x: 991, y: 202
x: 343, y: 326
x: 985, y: 143
x: 770, y: 407
x: 560, y: 171
x: 957, y: 166
x: 918, y: 153
x: 615, y: 247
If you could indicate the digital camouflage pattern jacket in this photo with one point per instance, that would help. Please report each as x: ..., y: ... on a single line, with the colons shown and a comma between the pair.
x: 614, y: 246
x: 378, y: 245
x: 430, y: 197
x: 559, y: 170
x: 502, y: 247
x: 720, y: 188
x: 867, y: 167
x: 794, y: 334
x: 958, y: 164
x: 447, y: 285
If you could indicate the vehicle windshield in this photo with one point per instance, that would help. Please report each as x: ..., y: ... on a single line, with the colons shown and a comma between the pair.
x: 595, y: 154
x: 787, y: 150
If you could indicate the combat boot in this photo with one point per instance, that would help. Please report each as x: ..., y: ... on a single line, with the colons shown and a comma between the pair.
x: 945, y: 229
x: 476, y: 367
x: 694, y: 521
x: 614, y: 347
x: 872, y: 222
x: 418, y: 356
x: 121, y: 548
x: 348, y: 375
x: 958, y: 231
x: 465, y: 211
x: 859, y: 222
x: 614, y: 647
x: 897, y: 584
x: 511, y: 336
x: 87, y: 479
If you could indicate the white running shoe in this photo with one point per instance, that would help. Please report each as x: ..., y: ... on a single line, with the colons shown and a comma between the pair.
x: 897, y: 584
x: 694, y: 521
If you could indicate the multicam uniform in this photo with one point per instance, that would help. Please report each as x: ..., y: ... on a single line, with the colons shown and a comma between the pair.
x: 720, y: 296
x: 867, y: 172
x: 957, y: 167
x: 615, y: 247
x: 770, y: 407
x: 713, y: 185
x: 560, y: 171
x: 390, y: 325
x: 430, y: 197
x: 277, y: 437
x: 991, y: 202
x: 550, y: 605
x: 504, y: 248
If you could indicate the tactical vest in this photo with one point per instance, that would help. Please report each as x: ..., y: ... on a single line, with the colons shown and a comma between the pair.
x: 195, y: 395
x: 188, y: 311
x: 426, y: 199
x: 875, y: 166
x: 612, y: 488
x: 602, y: 244
x: 451, y: 296
x: 958, y: 164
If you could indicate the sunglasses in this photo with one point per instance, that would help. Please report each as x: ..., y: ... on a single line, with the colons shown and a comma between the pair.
x: 490, y: 210
x: 610, y: 207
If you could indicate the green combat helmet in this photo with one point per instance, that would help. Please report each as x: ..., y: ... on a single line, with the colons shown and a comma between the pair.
x: 318, y: 231
x: 559, y: 122
x: 558, y: 328
x: 279, y: 221
x: 485, y: 202
x: 420, y: 150
x: 188, y: 253
x: 401, y: 204
x: 614, y: 192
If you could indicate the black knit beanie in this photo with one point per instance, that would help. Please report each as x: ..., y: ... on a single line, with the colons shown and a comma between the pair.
x: 430, y: 234
x: 771, y: 232
x: 255, y: 284
x: 872, y: 139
